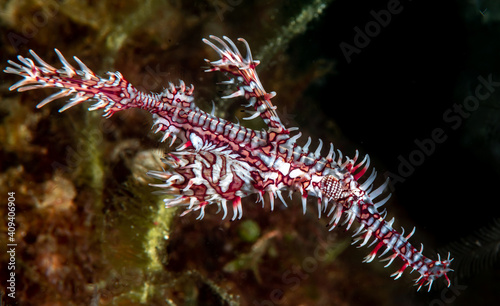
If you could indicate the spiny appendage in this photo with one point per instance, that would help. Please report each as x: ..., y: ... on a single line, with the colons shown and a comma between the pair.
x: 213, y: 175
x: 338, y: 182
x: 356, y: 202
x: 246, y: 79
x: 112, y: 94
x: 372, y: 225
x: 296, y: 168
x: 46, y: 76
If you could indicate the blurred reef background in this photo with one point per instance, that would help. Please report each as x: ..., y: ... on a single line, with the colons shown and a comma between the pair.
x: 90, y: 232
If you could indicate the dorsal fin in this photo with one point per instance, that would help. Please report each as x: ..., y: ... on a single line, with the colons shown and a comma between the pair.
x: 247, y: 80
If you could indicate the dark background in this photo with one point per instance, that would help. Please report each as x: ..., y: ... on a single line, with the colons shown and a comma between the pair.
x: 396, y: 91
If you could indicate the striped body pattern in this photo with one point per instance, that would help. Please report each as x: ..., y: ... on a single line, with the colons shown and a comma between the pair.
x: 220, y: 162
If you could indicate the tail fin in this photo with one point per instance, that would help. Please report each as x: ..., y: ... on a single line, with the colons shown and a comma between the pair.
x: 112, y: 94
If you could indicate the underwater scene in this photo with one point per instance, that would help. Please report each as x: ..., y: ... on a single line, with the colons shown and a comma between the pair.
x: 142, y: 162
